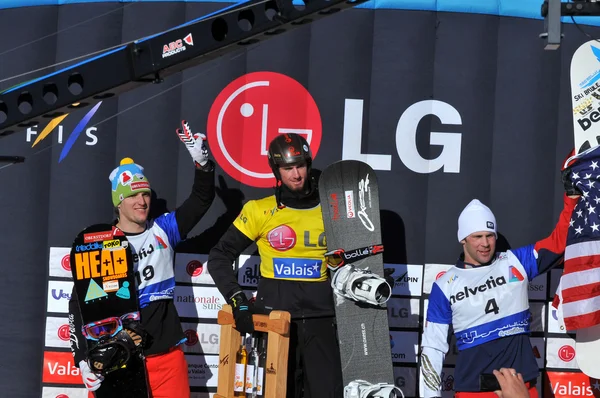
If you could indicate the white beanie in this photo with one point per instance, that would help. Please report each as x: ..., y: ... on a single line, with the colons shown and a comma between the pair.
x: 476, y: 217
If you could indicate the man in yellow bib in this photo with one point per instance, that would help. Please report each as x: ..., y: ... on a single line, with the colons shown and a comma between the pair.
x: 288, y: 230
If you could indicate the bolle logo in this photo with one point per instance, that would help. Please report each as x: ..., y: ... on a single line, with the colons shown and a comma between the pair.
x: 74, y: 134
x: 65, y: 262
x: 192, y: 337
x: 282, y: 238
x: 263, y: 105
x: 467, y: 292
x: 194, y: 268
x: 63, y: 333
x: 334, y: 206
x: 439, y: 275
x: 349, y: 197
x: 60, y: 295
x: 566, y: 353
x: 406, y: 138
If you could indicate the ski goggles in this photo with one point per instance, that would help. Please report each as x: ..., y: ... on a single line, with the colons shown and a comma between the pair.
x: 337, y: 258
x: 108, y: 327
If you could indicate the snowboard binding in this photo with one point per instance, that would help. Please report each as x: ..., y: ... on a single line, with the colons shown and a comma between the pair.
x: 111, y: 353
x: 364, y: 389
x: 361, y: 285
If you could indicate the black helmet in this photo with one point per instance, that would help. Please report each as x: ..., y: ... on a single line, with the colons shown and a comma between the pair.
x: 288, y: 150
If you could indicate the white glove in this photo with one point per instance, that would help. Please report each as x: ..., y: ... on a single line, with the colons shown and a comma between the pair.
x: 195, y: 143
x: 91, y: 380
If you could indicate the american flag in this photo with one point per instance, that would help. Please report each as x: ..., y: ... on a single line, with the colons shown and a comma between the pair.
x: 579, y: 287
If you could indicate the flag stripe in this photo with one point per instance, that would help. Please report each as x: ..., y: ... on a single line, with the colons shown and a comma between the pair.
x: 573, y: 323
x: 581, y: 292
x: 580, y: 278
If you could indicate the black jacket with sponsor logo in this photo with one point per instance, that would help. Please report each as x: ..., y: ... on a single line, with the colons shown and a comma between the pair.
x: 159, y: 318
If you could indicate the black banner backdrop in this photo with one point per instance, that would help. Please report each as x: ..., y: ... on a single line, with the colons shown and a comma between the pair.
x: 475, y: 94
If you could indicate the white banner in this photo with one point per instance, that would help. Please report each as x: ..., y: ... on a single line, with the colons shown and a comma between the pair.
x: 408, y: 279
x: 431, y: 273
x: 59, y: 263
x: 537, y: 287
x: 203, y: 370
x: 198, y: 302
x: 403, y: 312
x: 57, y: 332
x: 560, y: 353
x: 405, y: 346
x: 249, y: 270
x: 59, y: 294
x: 201, y: 338
x: 191, y: 268
x: 64, y: 392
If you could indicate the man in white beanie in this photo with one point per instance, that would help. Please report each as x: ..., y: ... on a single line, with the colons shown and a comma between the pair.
x: 485, y: 299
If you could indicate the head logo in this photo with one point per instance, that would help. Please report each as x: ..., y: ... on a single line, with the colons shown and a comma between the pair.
x: 66, y: 262
x: 192, y: 337
x: 194, y: 268
x: 260, y: 105
x: 63, y: 333
x: 282, y: 238
x: 439, y: 275
x: 566, y: 353
x: 74, y: 135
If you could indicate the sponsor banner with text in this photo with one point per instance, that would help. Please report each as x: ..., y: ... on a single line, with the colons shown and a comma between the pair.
x: 203, y: 370
x: 406, y: 380
x: 198, y: 302
x: 403, y: 312
x: 59, y: 368
x: 249, y: 270
x: 571, y: 384
x: 201, y: 338
x: 408, y: 279
x: 405, y: 346
x: 59, y: 293
x: 537, y: 288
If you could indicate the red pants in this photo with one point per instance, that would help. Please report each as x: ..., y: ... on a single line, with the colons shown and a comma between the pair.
x: 532, y: 394
x: 168, y: 375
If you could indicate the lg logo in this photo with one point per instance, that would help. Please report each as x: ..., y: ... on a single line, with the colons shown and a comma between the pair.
x: 255, y: 108
x: 406, y: 138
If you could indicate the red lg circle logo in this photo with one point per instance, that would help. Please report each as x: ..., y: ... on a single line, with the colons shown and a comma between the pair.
x: 63, y: 333
x: 66, y: 263
x: 566, y: 353
x: 63, y: 396
x: 194, y: 268
x: 249, y: 113
x: 192, y: 337
x: 439, y: 275
x: 282, y: 238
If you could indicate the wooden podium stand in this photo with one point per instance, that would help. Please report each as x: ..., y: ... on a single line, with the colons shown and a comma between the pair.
x: 277, y: 325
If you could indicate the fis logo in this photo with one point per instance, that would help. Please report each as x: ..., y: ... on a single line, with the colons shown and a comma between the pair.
x: 74, y: 134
